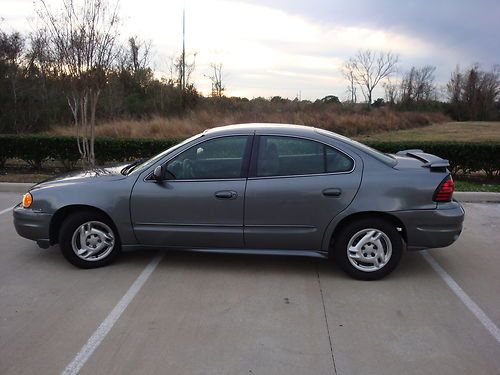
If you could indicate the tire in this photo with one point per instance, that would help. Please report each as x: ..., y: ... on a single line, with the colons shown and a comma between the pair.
x: 376, y: 249
x: 102, y: 244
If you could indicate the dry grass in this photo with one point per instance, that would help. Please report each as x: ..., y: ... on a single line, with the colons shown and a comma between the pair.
x: 450, y: 131
x: 347, y: 123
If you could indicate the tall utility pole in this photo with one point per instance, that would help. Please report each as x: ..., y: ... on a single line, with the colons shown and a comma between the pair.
x: 183, y: 67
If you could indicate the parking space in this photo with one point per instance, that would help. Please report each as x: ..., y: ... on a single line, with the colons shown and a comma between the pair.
x: 228, y: 314
x: 7, y: 201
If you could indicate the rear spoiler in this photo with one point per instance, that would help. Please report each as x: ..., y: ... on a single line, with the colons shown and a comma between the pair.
x: 429, y: 160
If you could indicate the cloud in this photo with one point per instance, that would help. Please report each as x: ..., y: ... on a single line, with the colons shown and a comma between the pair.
x: 281, y: 47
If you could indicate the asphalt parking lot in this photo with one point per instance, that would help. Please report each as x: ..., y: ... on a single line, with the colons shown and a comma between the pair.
x: 186, y: 313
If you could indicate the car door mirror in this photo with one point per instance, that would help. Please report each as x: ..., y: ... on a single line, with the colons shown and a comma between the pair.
x: 159, y: 173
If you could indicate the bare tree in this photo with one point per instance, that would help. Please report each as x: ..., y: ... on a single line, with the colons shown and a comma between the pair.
x: 418, y: 85
x: 369, y: 68
x: 216, y: 77
x: 138, y: 55
x: 175, y: 69
x: 11, y: 47
x: 348, y: 72
x: 188, y: 69
x: 454, y: 85
x: 391, y: 90
x: 473, y: 93
x: 82, y: 40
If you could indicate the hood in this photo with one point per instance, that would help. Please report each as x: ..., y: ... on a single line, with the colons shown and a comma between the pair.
x: 84, y: 176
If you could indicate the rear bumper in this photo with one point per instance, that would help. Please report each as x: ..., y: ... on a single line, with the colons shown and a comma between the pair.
x: 432, y: 228
x: 32, y: 225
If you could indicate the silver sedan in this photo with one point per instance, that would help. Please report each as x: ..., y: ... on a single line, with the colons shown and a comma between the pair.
x: 253, y: 188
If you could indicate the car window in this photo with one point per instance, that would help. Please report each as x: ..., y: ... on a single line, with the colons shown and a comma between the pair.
x: 380, y: 156
x: 337, y: 161
x: 286, y: 156
x: 212, y: 159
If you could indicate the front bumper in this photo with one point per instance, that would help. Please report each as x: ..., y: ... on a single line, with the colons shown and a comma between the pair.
x: 432, y: 228
x: 33, y: 225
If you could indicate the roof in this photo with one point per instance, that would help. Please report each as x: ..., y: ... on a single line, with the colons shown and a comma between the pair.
x: 273, y: 127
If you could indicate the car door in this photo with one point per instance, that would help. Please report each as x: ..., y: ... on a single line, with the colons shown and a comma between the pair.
x: 201, y: 203
x: 296, y: 186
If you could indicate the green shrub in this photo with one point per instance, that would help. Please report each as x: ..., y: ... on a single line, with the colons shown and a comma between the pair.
x: 35, y: 149
x: 464, y: 157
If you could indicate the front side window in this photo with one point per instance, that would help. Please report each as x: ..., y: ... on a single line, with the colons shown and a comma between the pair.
x: 288, y: 156
x: 218, y: 158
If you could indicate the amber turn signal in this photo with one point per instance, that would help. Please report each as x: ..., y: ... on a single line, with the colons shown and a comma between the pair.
x: 27, y: 200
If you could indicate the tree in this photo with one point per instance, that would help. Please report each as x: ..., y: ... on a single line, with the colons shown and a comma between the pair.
x: 216, y: 78
x: 138, y: 55
x: 348, y: 72
x: 474, y: 93
x: 369, y: 68
x: 417, y: 85
x: 175, y: 67
x: 82, y: 42
x: 330, y: 99
x: 391, y: 90
x: 11, y: 47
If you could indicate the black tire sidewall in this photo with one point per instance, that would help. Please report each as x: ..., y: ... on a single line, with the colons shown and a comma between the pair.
x: 70, y: 224
x: 346, y: 233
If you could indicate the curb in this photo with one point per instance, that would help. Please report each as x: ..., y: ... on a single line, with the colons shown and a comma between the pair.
x: 461, y: 196
x: 15, y: 187
x: 477, y: 197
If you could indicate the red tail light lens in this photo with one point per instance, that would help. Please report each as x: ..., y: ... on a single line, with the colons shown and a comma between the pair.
x: 445, y: 190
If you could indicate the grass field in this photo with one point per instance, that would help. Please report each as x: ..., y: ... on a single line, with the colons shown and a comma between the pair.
x: 385, y: 126
x: 476, y: 186
x: 449, y: 131
x: 346, y: 123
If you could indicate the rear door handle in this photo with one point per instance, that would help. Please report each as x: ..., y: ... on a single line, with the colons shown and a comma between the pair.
x: 226, y: 194
x: 332, y: 192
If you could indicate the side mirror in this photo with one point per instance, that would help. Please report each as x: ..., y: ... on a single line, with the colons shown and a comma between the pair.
x: 159, y: 173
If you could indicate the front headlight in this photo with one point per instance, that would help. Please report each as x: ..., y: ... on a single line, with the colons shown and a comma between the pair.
x: 27, y: 200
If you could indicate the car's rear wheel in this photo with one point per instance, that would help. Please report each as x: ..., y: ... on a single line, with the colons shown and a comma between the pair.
x: 88, y: 240
x: 368, y: 249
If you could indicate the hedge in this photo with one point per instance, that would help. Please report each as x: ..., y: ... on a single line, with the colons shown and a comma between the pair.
x: 464, y: 157
x: 36, y: 149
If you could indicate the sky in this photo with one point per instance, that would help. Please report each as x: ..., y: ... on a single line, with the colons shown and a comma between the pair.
x: 296, y: 48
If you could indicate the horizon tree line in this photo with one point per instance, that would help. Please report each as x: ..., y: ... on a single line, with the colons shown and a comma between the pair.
x: 75, y: 69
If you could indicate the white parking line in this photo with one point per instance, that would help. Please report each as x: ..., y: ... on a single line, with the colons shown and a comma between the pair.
x: 100, y: 333
x: 6, y: 210
x: 467, y: 301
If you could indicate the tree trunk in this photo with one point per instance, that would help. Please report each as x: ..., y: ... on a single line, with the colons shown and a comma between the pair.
x: 94, y: 96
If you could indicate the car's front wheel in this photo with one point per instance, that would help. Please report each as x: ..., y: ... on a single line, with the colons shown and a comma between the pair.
x: 87, y: 240
x: 368, y: 249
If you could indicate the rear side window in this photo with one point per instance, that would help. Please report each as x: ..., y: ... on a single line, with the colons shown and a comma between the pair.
x: 218, y: 158
x: 288, y: 156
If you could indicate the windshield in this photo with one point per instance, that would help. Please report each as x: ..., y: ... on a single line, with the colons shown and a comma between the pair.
x: 155, y: 158
x: 384, y: 158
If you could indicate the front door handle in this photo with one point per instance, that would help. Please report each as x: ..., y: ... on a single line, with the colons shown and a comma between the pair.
x: 332, y: 192
x: 226, y: 194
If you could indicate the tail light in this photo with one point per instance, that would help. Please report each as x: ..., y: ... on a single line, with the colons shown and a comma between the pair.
x: 444, y: 191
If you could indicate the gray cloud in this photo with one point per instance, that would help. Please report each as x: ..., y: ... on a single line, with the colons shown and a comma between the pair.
x: 471, y: 28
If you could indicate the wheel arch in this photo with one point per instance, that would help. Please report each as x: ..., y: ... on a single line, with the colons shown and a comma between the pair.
x: 369, y: 215
x: 62, y: 213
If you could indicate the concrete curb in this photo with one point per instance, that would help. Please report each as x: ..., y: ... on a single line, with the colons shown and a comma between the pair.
x: 461, y: 196
x: 15, y: 187
x: 476, y: 197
